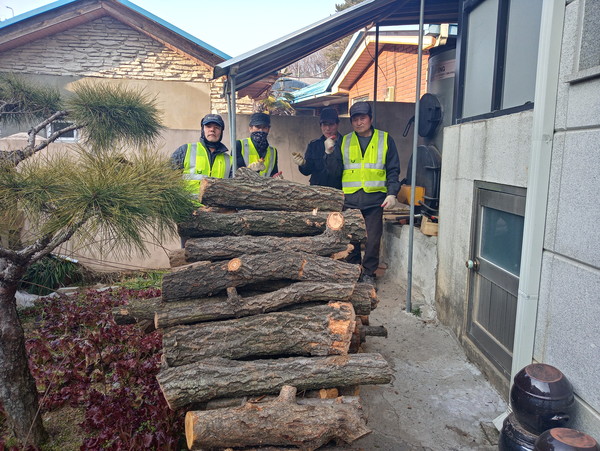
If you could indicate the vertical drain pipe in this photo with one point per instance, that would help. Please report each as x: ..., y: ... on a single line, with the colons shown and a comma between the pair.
x: 413, y: 176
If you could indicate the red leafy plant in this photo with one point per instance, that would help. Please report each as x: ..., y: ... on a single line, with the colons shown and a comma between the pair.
x: 81, y: 358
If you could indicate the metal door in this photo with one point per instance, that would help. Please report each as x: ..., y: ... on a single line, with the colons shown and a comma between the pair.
x: 494, y: 263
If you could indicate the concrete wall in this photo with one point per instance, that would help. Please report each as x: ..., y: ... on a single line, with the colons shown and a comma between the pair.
x: 495, y: 150
x: 569, y: 305
x: 394, y: 247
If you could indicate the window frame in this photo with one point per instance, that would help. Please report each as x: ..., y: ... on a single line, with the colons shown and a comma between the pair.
x: 66, y: 139
x: 467, y: 6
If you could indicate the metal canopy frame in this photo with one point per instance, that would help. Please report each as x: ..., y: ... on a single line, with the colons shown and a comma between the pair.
x: 252, y: 66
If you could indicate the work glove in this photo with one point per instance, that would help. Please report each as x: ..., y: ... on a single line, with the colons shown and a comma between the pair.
x: 329, y: 145
x: 298, y: 159
x: 389, y: 202
x: 257, y: 166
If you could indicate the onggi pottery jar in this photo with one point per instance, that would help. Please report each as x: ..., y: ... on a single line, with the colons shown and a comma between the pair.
x: 513, y: 437
x: 564, y: 439
x: 541, y: 398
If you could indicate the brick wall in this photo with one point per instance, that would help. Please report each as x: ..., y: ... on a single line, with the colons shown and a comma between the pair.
x: 397, y: 69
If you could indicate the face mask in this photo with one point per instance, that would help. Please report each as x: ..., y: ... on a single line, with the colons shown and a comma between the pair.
x: 260, y: 140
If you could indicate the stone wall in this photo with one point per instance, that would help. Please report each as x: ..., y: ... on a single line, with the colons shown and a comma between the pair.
x: 107, y: 48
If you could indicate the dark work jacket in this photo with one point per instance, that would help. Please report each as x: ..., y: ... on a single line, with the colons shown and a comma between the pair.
x: 315, y: 166
x: 360, y: 199
x: 240, y: 158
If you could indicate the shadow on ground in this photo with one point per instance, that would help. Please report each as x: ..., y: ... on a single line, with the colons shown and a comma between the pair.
x: 437, y: 400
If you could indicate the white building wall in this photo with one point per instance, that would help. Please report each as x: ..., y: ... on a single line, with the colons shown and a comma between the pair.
x: 568, y: 325
x: 494, y: 150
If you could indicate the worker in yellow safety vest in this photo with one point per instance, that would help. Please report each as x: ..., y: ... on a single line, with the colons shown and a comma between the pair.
x: 255, y: 152
x: 368, y: 165
x: 208, y: 157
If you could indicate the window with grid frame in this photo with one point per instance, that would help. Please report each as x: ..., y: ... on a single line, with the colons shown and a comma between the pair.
x: 499, y: 48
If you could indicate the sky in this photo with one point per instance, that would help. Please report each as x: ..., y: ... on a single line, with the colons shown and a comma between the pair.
x: 231, y: 26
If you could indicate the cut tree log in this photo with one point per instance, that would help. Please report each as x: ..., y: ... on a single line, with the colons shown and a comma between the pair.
x: 177, y: 258
x: 206, y: 223
x: 224, y: 248
x: 282, y: 422
x: 361, y: 295
x: 249, y: 190
x: 222, y: 378
x: 138, y: 311
x: 206, y: 278
x: 311, y: 331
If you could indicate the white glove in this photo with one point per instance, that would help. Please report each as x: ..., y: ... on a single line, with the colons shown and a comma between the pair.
x: 389, y: 202
x: 257, y: 166
x: 329, y: 145
x: 298, y: 159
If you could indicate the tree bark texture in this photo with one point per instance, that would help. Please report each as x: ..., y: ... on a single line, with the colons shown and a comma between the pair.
x: 224, y: 248
x: 206, y: 278
x: 136, y: 311
x: 361, y: 295
x: 311, y: 331
x: 222, y: 378
x: 282, y: 422
x: 18, y: 392
x: 273, y: 223
x: 251, y: 191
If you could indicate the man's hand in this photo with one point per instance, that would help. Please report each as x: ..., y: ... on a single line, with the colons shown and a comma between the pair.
x: 298, y: 159
x: 257, y: 166
x: 329, y: 145
x: 389, y: 202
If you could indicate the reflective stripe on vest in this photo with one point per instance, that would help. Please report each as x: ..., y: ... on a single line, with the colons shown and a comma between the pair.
x: 196, y: 166
x: 250, y: 155
x: 364, y: 172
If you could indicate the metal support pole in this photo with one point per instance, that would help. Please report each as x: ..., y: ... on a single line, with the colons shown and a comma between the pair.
x: 413, y: 176
x: 232, y: 124
x: 375, y: 69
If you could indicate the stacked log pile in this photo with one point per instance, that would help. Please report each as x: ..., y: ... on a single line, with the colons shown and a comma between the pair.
x: 256, y: 307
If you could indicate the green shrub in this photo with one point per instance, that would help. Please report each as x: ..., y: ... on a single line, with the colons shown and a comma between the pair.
x: 50, y: 273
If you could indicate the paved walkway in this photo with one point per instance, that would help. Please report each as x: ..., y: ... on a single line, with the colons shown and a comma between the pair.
x: 437, y: 400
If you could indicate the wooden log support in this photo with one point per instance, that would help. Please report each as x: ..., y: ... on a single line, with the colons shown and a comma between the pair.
x: 206, y: 223
x: 224, y: 248
x: 311, y: 331
x: 136, y: 310
x: 361, y: 295
x: 282, y: 422
x: 222, y: 378
x: 206, y: 278
x: 249, y: 190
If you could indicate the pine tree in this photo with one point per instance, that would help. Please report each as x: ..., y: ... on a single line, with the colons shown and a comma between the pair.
x: 98, y: 189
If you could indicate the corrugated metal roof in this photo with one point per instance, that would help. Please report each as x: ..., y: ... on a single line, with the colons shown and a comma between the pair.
x: 256, y: 64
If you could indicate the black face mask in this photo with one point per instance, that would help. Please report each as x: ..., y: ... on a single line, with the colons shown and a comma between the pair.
x: 260, y: 140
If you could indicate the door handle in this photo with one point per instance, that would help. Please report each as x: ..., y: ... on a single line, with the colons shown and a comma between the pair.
x: 472, y: 264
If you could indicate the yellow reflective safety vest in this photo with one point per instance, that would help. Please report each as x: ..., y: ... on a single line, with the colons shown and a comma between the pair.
x: 250, y: 155
x: 196, y: 166
x: 366, y: 172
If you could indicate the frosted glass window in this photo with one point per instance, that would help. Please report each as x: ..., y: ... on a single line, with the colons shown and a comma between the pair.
x: 521, y: 52
x: 502, y: 238
x: 479, y: 67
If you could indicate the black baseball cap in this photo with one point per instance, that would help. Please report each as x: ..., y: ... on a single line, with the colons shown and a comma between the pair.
x: 360, y: 108
x: 260, y: 119
x: 213, y: 119
x: 329, y: 115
